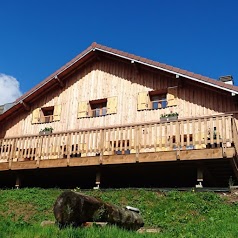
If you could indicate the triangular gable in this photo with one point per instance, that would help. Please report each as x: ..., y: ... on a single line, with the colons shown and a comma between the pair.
x: 90, y: 51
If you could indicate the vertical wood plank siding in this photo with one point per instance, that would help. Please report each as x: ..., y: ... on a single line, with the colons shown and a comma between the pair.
x: 108, y: 78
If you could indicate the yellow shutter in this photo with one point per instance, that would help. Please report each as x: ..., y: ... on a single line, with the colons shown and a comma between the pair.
x: 142, y: 101
x: 57, y: 112
x: 172, y: 96
x: 36, y: 116
x: 83, y: 109
x: 112, y: 105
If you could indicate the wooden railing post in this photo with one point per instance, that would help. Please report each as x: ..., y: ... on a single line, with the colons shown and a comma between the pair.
x: 155, y: 137
x: 177, y: 138
x: 230, y: 129
x: 13, y: 149
x: 5, y: 150
x: 234, y: 134
x: 102, y: 136
x: 137, y: 142
x: 68, y: 147
x: 39, y: 150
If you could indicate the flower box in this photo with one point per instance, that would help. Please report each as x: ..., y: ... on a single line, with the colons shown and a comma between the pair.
x: 42, y: 133
x: 173, y: 118
x: 46, y: 131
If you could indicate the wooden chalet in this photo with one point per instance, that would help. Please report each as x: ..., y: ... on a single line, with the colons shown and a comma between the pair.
x: 115, y: 119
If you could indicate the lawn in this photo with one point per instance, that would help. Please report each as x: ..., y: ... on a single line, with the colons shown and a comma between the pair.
x: 176, y: 214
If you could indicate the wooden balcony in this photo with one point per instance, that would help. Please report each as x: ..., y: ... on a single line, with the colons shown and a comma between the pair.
x: 184, y: 139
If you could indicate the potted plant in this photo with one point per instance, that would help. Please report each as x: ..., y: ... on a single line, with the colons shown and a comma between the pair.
x: 169, y: 116
x: 46, y: 131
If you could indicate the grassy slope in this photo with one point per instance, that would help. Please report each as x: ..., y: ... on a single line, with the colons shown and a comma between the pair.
x: 178, y: 214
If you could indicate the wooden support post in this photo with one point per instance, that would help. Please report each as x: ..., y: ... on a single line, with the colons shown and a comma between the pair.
x: 199, y: 177
x: 98, y: 179
x: 18, y: 181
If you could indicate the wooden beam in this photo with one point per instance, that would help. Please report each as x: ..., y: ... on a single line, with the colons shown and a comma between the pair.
x: 25, y: 105
x: 163, y: 156
x: 4, y: 166
x: 136, y: 66
x: 23, y: 165
x: 60, y: 82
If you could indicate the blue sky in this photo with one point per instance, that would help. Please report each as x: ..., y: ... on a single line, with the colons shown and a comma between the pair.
x: 38, y: 37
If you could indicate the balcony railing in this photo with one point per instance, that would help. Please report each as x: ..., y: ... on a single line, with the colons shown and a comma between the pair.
x: 183, y: 134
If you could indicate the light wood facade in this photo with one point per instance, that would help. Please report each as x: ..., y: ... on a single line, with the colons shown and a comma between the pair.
x: 126, y: 129
x: 106, y: 79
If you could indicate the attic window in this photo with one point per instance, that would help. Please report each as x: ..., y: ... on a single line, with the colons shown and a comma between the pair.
x: 47, y: 114
x: 158, y: 99
x: 98, y: 107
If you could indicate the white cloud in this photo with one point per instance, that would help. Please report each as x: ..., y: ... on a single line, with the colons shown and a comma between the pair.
x: 9, y: 89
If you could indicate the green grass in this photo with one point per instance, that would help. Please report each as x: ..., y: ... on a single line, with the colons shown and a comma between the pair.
x: 177, y: 214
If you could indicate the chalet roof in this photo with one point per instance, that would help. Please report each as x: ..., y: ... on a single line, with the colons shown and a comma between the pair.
x: 94, y: 47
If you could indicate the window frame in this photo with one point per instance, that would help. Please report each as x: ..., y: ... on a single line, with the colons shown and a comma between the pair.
x: 98, y: 107
x: 47, y: 114
x: 162, y: 98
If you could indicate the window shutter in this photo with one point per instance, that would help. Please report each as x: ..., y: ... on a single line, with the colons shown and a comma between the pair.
x: 57, y: 112
x: 172, y: 96
x: 142, y: 101
x: 83, y: 109
x: 36, y: 116
x: 112, y: 105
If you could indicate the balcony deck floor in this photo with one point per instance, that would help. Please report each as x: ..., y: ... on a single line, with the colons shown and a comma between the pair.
x: 176, y: 155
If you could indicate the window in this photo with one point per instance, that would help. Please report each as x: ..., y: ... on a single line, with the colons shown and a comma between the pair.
x: 46, y: 114
x: 98, y: 107
x: 157, y: 99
